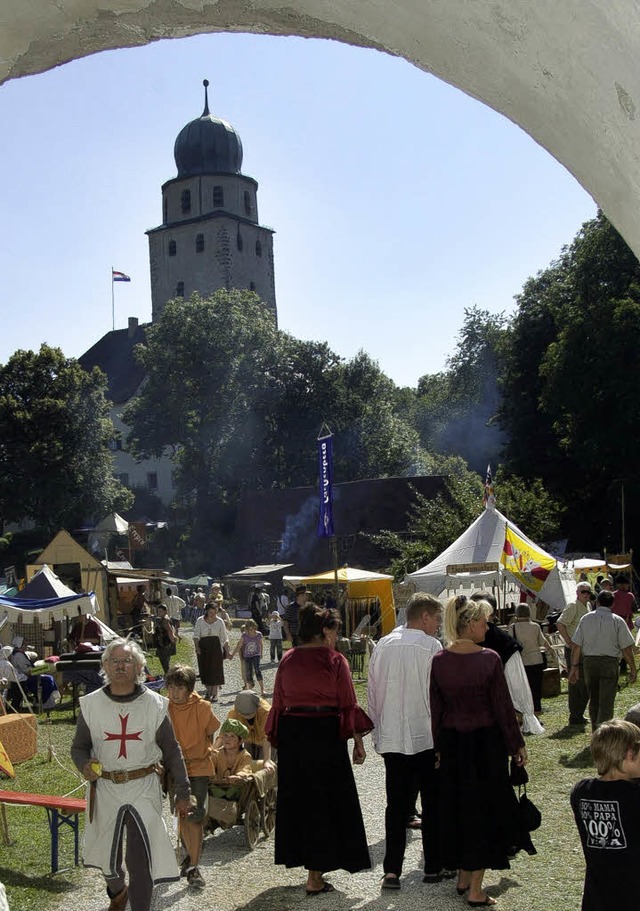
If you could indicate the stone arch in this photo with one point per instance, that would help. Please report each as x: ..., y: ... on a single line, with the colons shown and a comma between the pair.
x: 566, y: 73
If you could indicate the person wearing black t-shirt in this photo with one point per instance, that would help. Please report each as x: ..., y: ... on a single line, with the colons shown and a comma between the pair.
x: 607, y: 814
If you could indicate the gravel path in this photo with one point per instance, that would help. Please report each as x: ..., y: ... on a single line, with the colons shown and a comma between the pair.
x: 242, y: 880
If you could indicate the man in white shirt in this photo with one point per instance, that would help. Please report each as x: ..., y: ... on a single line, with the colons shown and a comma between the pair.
x: 398, y: 690
x: 175, y: 606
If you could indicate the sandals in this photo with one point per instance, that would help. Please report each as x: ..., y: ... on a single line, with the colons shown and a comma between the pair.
x: 483, y: 904
x: 326, y: 887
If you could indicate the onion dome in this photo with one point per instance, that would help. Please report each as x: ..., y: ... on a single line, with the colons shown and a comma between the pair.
x: 207, y: 145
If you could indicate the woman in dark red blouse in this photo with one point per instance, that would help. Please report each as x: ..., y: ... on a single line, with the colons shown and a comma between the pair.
x: 314, y: 712
x: 475, y: 731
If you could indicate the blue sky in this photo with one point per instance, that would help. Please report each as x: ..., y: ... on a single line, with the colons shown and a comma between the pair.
x: 397, y: 200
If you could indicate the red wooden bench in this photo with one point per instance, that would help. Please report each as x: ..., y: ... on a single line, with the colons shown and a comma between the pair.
x: 60, y: 811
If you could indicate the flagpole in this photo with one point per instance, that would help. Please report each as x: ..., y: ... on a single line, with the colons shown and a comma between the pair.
x: 113, y: 305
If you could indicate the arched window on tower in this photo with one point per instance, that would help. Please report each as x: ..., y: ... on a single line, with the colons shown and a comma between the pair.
x: 185, y: 200
x: 258, y: 248
x: 180, y: 289
x: 165, y: 211
x: 239, y: 243
x: 199, y: 243
x: 247, y: 203
x: 252, y: 286
x: 218, y: 197
x: 172, y: 248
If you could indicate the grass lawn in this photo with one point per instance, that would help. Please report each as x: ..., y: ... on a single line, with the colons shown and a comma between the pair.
x: 550, y: 880
x: 25, y: 865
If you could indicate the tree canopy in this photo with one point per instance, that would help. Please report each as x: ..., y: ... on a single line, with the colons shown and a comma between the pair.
x: 55, y: 465
x: 239, y: 405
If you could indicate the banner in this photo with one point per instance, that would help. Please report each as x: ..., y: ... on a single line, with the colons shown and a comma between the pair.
x: 530, y: 566
x: 325, y: 473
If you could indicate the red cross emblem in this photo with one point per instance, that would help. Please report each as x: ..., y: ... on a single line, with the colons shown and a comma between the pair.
x: 123, y: 736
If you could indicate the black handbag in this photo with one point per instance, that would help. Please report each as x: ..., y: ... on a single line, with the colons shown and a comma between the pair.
x: 530, y: 815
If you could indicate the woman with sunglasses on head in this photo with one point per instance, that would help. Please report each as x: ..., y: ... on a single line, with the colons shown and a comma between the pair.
x: 475, y: 731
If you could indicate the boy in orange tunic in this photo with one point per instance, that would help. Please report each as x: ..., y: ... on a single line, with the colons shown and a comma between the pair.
x: 194, y: 724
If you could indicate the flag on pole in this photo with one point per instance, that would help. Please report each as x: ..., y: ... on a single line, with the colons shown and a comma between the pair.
x: 325, y: 471
x: 119, y: 276
x: 529, y: 565
x: 488, y: 498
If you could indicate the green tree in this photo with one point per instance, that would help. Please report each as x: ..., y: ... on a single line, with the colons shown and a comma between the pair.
x: 207, y: 362
x: 435, y: 524
x: 570, y: 393
x: 55, y: 430
x: 456, y: 409
x: 530, y: 505
x: 238, y: 405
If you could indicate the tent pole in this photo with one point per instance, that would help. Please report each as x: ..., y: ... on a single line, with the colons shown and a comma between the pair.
x: 336, y: 587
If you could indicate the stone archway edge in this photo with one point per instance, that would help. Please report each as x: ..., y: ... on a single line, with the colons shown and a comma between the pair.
x: 566, y: 72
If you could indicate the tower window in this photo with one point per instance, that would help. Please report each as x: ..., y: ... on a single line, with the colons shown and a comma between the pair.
x: 185, y: 200
x: 152, y: 480
x: 218, y: 196
x: 165, y: 210
x: 258, y: 248
x: 199, y: 243
x: 239, y: 243
x: 172, y: 248
x: 252, y: 286
x: 124, y: 478
x: 180, y: 289
x: 247, y: 202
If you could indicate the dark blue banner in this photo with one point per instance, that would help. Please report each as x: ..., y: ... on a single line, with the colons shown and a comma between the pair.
x: 325, y: 472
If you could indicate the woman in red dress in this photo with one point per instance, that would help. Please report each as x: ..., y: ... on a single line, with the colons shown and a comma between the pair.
x: 314, y: 713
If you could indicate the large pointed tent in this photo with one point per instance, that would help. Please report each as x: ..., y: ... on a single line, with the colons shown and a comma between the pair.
x: 490, y: 554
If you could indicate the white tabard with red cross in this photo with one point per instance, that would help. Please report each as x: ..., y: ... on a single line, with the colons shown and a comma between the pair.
x: 123, y: 735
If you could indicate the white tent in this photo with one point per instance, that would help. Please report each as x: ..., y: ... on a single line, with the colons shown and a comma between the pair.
x: 476, y: 561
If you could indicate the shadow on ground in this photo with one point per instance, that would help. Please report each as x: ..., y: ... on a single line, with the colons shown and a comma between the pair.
x: 581, y: 760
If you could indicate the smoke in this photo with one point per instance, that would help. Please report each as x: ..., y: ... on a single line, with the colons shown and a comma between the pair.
x: 473, y: 435
x: 299, y: 535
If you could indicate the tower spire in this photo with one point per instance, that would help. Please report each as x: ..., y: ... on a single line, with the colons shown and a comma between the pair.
x: 205, y: 83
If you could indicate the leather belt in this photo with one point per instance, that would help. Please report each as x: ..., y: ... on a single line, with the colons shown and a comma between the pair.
x: 312, y: 708
x: 121, y: 776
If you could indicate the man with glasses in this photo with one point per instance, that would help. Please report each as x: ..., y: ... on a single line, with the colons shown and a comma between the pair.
x: 567, y: 625
x: 122, y: 735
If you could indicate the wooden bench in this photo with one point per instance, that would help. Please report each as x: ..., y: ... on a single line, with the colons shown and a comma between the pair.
x: 60, y: 811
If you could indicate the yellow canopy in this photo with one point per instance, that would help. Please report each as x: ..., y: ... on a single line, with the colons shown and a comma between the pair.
x: 363, y: 584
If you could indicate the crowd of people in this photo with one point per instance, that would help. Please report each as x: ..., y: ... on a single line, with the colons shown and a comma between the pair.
x: 447, y: 712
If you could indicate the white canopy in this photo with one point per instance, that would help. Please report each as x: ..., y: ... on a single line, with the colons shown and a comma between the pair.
x: 476, y: 561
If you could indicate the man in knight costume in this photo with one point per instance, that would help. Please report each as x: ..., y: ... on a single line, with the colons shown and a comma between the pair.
x: 122, y: 735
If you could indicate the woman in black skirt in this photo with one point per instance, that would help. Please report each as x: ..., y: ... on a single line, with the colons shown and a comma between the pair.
x: 474, y: 731
x: 318, y: 818
x: 211, y: 642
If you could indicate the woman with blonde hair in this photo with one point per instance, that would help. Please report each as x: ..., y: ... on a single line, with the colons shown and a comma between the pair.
x: 475, y: 731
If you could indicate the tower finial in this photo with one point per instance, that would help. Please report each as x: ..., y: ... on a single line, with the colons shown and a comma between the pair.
x: 205, y: 83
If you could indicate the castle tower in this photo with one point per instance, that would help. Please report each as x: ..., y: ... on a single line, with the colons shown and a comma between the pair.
x: 210, y: 237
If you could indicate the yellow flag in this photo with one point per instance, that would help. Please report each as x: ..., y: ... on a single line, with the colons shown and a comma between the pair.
x: 529, y: 565
x: 6, y: 765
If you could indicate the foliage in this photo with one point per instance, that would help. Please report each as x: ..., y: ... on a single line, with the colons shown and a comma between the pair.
x: 570, y: 401
x: 455, y: 409
x: 434, y: 524
x: 239, y: 404
x: 55, y: 465
x: 530, y: 505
